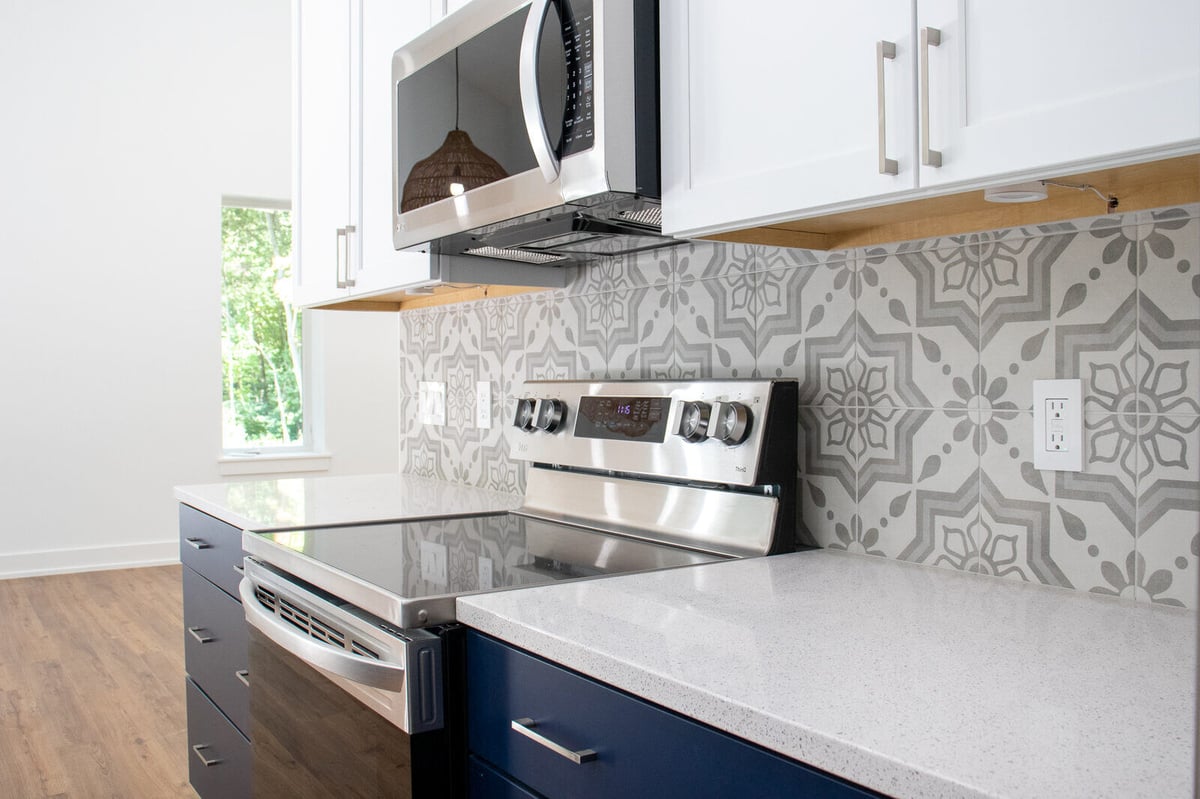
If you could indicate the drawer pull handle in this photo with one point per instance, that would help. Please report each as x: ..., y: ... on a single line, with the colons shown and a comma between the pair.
x: 195, y: 631
x: 198, y: 543
x: 576, y: 756
x: 244, y: 676
x: 240, y: 569
x: 207, y: 761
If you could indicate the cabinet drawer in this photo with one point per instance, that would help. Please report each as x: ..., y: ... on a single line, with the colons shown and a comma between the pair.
x: 216, y: 646
x: 485, y: 781
x: 219, y: 760
x: 641, y: 751
x: 211, y: 547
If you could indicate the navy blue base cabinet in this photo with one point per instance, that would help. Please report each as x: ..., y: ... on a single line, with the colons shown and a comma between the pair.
x: 625, y: 746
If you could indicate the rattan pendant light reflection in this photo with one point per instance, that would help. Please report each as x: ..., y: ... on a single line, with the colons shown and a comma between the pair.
x: 455, y: 167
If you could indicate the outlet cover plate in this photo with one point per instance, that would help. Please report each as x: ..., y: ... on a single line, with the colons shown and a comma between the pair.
x: 1058, y: 425
x: 431, y: 403
x: 483, y: 405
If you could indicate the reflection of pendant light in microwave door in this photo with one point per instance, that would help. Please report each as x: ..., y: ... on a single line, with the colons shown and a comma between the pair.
x: 455, y: 167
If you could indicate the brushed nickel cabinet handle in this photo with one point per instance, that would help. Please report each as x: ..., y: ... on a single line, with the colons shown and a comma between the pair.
x: 350, y: 231
x: 240, y: 569
x: 244, y: 676
x: 207, y: 761
x: 884, y: 51
x: 930, y: 37
x: 342, y: 267
x: 576, y: 756
x: 198, y: 543
x: 195, y: 631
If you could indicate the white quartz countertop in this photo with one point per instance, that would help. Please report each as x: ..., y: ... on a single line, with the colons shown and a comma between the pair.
x: 315, y: 501
x: 911, y: 680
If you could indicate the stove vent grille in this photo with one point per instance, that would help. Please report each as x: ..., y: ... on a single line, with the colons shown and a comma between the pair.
x: 311, y: 624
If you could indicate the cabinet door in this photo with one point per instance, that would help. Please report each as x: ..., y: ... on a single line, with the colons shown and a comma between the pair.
x: 321, y: 138
x: 772, y: 112
x: 1024, y: 85
x: 376, y: 265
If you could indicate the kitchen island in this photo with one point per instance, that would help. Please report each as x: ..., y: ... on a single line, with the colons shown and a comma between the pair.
x: 911, y: 680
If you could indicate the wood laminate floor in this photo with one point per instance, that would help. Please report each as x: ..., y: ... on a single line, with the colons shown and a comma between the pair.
x: 92, y: 686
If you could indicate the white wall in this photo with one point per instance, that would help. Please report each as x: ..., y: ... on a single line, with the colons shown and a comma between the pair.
x: 121, y: 126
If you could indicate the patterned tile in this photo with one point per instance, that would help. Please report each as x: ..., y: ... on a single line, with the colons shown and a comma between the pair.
x: 1058, y: 306
x: 920, y: 309
x: 827, y: 482
x: 920, y: 487
x: 1062, y: 527
x: 1168, y: 545
x: 701, y: 260
x: 641, y: 337
x: 558, y: 344
x: 806, y: 327
x: 621, y: 272
x: 714, y: 326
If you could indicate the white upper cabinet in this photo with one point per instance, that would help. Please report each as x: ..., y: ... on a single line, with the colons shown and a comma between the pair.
x: 1027, y: 85
x: 776, y: 106
x: 784, y: 110
x: 343, y: 180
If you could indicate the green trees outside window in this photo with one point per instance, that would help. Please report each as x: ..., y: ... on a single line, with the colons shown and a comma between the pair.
x: 262, y: 394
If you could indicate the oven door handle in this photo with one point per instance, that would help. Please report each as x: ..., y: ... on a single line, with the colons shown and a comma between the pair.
x: 531, y: 98
x: 364, y: 671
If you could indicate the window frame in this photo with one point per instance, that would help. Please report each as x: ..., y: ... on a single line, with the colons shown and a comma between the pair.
x: 310, y: 454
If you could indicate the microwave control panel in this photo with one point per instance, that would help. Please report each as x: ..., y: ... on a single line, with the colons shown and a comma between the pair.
x: 579, y: 123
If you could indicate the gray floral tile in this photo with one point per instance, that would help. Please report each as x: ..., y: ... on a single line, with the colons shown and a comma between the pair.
x: 918, y: 487
x: 553, y: 334
x: 827, y: 484
x: 1058, y: 306
x: 1062, y: 527
x: 714, y: 326
x: 621, y: 272
x: 640, y: 334
x: 806, y: 326
x: 924, y: 304
x: 421, y: 348
x: 1167, y: 245
x: 1168, y: 543
x: 702, y: 260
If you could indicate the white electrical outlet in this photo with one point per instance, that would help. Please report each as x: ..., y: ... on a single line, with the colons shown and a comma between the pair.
x: 485, y: 573
x: 433, y: 562
x: 483, y: 405
x: 431, y: 403
x: 1058, y: 425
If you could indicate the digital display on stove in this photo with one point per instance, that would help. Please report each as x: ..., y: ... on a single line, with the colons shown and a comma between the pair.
x: 623, y: 418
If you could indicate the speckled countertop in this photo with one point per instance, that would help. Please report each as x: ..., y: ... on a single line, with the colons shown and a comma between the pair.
x: 316, y: 501
x: 911, y: 680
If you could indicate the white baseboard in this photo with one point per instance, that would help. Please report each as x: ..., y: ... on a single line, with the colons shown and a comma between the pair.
x: 64, y: 561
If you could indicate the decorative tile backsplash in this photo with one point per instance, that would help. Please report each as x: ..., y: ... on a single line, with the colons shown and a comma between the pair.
x: 915, y: 363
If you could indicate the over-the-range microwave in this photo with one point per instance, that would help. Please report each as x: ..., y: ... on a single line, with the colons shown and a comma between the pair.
x: 529, y: 131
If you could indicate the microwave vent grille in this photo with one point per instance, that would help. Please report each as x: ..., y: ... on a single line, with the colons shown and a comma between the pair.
x: 650, y: 216
x: 524, y: 256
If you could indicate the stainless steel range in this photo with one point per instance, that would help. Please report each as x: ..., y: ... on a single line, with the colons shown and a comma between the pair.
x: 623, y: 477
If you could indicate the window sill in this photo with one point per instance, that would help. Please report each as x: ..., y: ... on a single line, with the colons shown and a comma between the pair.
x: 274, y: 463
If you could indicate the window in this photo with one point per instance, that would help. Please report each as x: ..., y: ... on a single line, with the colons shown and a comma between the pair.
x: 263, y: 387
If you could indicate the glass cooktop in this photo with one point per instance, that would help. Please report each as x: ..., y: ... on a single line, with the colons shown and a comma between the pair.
x: 423, y: 565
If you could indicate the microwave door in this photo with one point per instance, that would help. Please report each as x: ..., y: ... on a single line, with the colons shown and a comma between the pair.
x: 459, y: 101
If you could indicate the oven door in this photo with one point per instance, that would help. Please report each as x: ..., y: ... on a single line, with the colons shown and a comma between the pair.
x: 348, y: 726
x: 495, y: 117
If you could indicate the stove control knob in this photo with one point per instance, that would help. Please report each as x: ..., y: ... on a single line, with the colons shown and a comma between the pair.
x: 729, y: 422
x: 550, y: 415
x: 693, y: 421
x: 524, y: 418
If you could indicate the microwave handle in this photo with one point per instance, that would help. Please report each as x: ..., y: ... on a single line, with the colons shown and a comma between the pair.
x: 531, y: 106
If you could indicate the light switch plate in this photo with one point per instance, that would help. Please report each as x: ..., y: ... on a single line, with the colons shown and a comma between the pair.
x: 483, y: 405
x: 1058, y: 425
x: 431, y: 403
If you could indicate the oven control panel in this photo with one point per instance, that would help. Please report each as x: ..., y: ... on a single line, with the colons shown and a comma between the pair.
x: 710, y: 430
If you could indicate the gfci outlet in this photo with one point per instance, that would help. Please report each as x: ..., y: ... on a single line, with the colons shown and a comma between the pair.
x: 431, y: 403
x: 1058, y: 425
